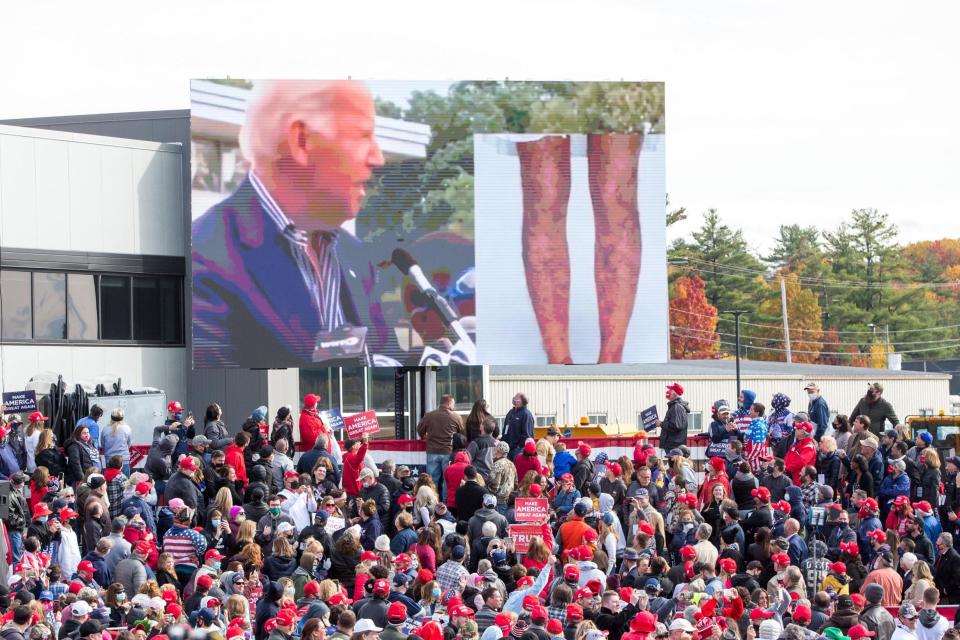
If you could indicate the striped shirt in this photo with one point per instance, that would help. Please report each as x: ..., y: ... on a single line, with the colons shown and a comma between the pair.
x: 185, y: 545
x: 320, y: 269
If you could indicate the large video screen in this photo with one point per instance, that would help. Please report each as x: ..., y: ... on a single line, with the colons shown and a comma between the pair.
x: 389, y: 223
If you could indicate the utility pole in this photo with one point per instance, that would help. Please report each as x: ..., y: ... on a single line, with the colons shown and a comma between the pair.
x: 786, y: 325
x: 736, y: 315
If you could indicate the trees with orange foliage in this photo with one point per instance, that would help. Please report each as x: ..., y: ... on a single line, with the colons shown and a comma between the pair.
x: 693, y: 321
x: 804, y: 318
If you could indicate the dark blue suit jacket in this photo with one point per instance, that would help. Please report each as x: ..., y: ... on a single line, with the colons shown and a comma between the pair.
x: 251, y: 306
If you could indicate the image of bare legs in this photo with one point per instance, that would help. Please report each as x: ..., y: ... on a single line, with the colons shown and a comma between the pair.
x: 545, y: 179
x: 612, y: 159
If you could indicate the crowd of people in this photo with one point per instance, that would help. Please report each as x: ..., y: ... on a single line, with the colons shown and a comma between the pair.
x: 798, y: 526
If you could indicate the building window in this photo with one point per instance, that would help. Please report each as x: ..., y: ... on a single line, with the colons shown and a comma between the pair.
x: 597, y: 418
x: 54, y: 306
x: 547, y: 420
x: 83, y: 322
x: 463, y: 382
x: 16, y: 310
x: 695, y: 421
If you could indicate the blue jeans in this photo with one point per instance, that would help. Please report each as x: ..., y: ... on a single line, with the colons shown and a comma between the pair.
x: 502, y: 509
x: 16, y: 546
x: 437, y: 463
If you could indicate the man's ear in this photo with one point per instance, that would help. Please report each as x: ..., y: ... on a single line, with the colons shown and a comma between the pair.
x: 297, y: 142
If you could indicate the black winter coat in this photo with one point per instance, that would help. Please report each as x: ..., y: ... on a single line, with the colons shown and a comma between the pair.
x: 79, y: 458
x: 276, y: 567
x: 674, y: 426
x: 53, y: 460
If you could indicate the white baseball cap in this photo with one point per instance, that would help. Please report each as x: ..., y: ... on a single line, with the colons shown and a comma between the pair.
x: 283, y: 527
x: 681, y: 623
x: 365, y: 624
x: 81, y: 608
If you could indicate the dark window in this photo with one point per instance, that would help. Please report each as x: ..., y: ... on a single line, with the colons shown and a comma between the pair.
x: 156, y: 309
x: 16, y: 314
x: 353, y: 389
x: 115, y: 307
x: 381, y: 384
x: 82, y: 320
x: 464, y: 383
x: 324, y: 382
x: 49, y: 306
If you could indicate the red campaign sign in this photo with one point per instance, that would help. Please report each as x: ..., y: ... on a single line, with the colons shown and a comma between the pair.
x: 522, y: 534
x: 361, y: 424
x: 530, y: 509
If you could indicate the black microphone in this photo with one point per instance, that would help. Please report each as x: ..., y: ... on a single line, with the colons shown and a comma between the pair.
x: 405, y: 262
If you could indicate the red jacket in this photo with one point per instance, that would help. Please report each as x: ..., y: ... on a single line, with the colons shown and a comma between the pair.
x: 802, y: 454
x: 311, y: 426
x: 706, y: 491
x: 525, y: 463
x: 352, y: 464
x: 233, y: 456
x: 453, y: 477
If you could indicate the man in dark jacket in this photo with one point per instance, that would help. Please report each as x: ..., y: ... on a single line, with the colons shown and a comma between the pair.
x: 387, y: 479
x: 181, y: 485
x: 583, y: 469
x: 16, y: 629
x: 817, y: 409
x: 844, y: 616
x: 673, y: 427
x: 437, y: 427
x: 612, y: 618
x: 518, y: 425
x: 370, y: 489
x: 481, y: 449
x: 309, y: 459
x: 877, y: 408
x: 469, y: 496
x: 267, y: 607
x: 946, y: 572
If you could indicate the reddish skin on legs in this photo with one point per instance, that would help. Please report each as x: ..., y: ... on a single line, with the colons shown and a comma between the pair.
x: 545, y: 178
x: 612, y: 159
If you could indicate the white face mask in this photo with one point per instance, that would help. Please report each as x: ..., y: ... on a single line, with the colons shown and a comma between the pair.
x: 813, y: 395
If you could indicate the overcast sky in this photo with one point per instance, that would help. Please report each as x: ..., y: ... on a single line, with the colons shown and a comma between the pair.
x: 774, y: 115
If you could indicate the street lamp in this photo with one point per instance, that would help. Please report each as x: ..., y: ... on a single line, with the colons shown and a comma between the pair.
x: 736, y: 315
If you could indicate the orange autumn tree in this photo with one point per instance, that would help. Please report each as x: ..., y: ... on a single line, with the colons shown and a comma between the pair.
x: 806, y: 323
x: 693, y: 321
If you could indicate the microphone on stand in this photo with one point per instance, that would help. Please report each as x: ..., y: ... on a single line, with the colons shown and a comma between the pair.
x: 407, y: 265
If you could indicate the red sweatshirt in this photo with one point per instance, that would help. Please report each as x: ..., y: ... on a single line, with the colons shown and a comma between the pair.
x: 352, y: 464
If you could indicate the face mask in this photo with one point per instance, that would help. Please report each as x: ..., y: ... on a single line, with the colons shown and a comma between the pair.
x: 216, y: 565
x: 42, y: 519
x: 274, y: 511
x: 121, y: 597
x: 214, y: 524
x: 813, y: 396
x: 435, y: 593
x: 295, y: 485
x: 739, y: 404
x: 289, y: 591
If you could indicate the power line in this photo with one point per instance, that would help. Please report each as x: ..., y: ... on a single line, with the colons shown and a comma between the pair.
x: 801, y: 329
x: 951, y: 341
x: 822, y: 353
x: 821, y: 282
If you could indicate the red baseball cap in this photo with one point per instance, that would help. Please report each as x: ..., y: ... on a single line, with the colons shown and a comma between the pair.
x: 567, y: 477
x: 286, y: 618
x: 761, y: 492
x: 339, y: 598
x: 757, y: 614
x: 878, y: 534
x: 646, y: 527
x: 311, y: 588
x: 36, y: 416
x: 530, y: 601
x: 75, y: 587
x: 591, y: 535
x: 41, y: 509
x: 858, y: 599
x: 525, y: 581
x: 381, y: 587
x: 536, y: 491
x: 396, y: 612
x: 571, y: 573
x: 310, y: 400
x: 369, y: 555
x: 837, y: 567
x: 204, y: 581
x: 802, y: 614
x: 503, y: 621
x: 173, y: 609
x: 174, y: 406
x: 595, y: 586
x: 644, y: 622
x: 67, y: 514
x: 143, y: 547
x: 614, y: 468
x: 850, y: 548
x: 803, y: 426
x: 718, y: 464
x: 574, y: 612
x: 688, y: 552
x: 554, y: 627
x: 584, y: 449
x: 214, y: 554
x: 169, y: 595
x: 781, y: 558
x: 530, y: 447
x: 424, y: 576
x: 142, y: 488
x: 583, y: 593
x: 676, y: 388
x: 539, y: 614
x: 403, y: 558
x: 405, y: 498
x: 86, y: 566
x: 728, y: 565
x: 462, y: 611
x: 859, y: 631
x: 188, y: 463
x: 234, y: 631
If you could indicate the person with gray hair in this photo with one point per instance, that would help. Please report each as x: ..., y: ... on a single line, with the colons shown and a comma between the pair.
x: 503, y: 476
x: 947, y: 571
x: 281, y: 463
x: 273, y: 270
x: 707, y: 552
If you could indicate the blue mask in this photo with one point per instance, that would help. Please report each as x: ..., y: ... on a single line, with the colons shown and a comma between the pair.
x: 216, y: 565
x: 435, y: 593
x: 214, y: 524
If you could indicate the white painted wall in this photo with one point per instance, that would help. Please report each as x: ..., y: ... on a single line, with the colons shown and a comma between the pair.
x: 160, y: 367
x: 626, y: 396
x: 79, y: 192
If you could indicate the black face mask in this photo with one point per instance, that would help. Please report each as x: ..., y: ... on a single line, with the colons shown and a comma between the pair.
x: 295, y: 485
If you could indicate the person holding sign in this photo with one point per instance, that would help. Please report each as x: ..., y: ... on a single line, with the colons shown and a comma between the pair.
x: 352, y: 464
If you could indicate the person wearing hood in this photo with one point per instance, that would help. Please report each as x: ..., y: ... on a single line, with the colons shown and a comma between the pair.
x: 160, y: 460
x: 183, y: 485
x: 527, y: 460
x: 675, y: 423
x: 267, y: 607
x: 756, y: 448
x: 453, y: 478
x: 256, y: 427
x: 259, y: 479
x: 741, y: 417
x: 214, y: 428
x: 930, y: 624
x: 138, y: 501
x: 236, y: 456
x: 781, y: 419
x: 894, y: 484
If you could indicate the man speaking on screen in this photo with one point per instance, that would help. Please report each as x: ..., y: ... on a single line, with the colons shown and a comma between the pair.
x: 276, y: 280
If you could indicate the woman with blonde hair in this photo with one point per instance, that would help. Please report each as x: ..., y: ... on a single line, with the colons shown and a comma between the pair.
x: 922, y: 580
x: 235, y: 607
x: 222, y: 502
x: 424, y: 504
x: 282, y: 562
x: 609, y: 538
x: 583, y: 628
x: 47, y: 454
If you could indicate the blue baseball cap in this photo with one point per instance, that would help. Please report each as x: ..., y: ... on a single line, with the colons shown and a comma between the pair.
x: 652, y: 584
x: 46, y: 595
x: 927, y: 437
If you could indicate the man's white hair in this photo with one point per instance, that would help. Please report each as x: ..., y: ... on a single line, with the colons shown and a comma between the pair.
x: 276, y: 104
